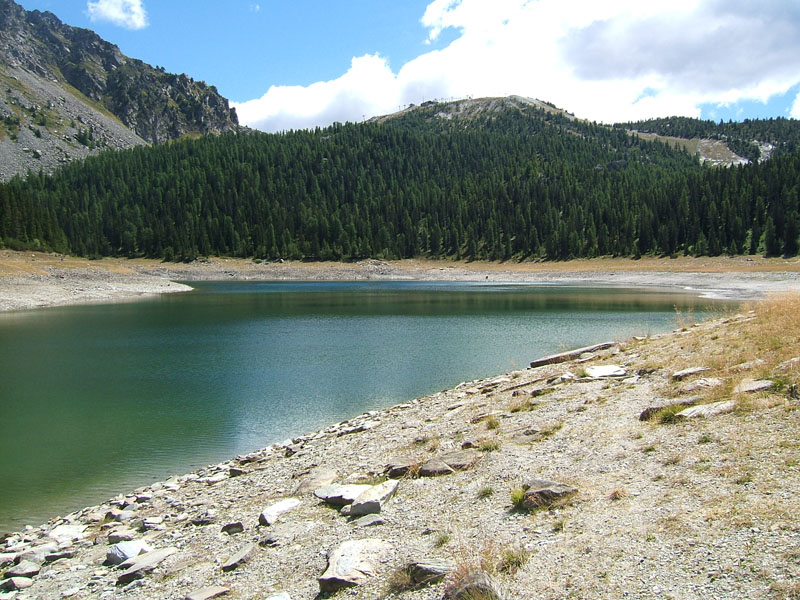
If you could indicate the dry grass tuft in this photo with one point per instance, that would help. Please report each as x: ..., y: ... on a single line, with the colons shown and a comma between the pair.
x: 617, y: 494
x: 489, y: 444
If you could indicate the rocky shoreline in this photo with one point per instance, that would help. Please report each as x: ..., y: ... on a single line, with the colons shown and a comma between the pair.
x: 542, y: 483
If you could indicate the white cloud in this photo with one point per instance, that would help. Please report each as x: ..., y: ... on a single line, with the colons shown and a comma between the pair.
x: 130, y: 14
x: 795, y: 112
x: 615, y: 60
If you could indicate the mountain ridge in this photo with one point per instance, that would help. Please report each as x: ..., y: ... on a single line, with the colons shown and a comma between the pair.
x: 66, y: 93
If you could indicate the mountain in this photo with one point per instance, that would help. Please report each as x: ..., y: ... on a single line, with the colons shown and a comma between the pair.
x: 66, y: 93
x: 493, y: 178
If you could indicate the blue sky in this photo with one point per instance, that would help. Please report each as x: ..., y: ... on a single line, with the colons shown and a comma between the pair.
x: 300, y: 63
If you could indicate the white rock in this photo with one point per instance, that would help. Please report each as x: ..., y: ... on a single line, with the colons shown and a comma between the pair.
x: 67, y: 533
x: 351, y: 563
x: 372, y: 500
x: 271, y: 514
x: 605, y: 371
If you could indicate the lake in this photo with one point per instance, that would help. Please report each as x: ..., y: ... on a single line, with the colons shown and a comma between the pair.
x: 103, y: 398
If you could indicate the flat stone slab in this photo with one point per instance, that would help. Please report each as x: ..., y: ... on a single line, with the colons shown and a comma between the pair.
x: 206, y: 593
x: 599, y: 371
x: 572, y: 354
x: 751, y: 386
x: 25, y: 568
x: 16, y: 583
x: 541, y: 493
x: 372, y: 500
x: 318, y: 477
x: 352, y: 563
x: 707, y: 410
x: 701, y: 384
x: 450, y: 463
x: 271, y: 514
x: 434, y: 468
x: 136, y: 568
x: 462, y: 460
x: 684, y: 373
x: 121, y: 534
x: 341, y: 494
x: 67, y: 533
x: 281, y: 596
x: 240, y: 558
x: 369, y: 521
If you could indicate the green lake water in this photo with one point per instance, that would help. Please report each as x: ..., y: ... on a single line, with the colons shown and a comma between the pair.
x: 100, y: 399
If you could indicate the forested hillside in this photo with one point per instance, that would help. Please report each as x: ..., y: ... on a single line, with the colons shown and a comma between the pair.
x: 743, y: 138
x: 508, y: 183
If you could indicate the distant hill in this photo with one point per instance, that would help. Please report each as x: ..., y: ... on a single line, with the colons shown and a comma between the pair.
x: 493, y: 178
x: 746, y: 141
x: 65, y: 93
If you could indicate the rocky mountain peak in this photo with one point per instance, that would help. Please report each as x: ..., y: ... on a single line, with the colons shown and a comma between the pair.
x: 66, y: 92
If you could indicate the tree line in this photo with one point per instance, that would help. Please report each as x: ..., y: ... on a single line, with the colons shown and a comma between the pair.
x: 515, y: 184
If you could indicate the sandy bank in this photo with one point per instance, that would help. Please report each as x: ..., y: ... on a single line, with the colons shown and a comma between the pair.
x: 30, y: 280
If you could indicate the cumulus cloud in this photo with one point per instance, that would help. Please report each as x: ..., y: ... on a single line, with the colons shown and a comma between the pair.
x: 130, y: 14
x: 609, y: 61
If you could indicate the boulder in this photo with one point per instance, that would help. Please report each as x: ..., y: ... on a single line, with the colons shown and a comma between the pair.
x: 372, y: 500
x: 541, y: 493
x: 119, y: 553
x: 341, y: 494
x: 136, y: 568
x: 207, y: 593
x: 351, y: 563
x: 707, y: 410
x: 751, y: 386
x: 240, y: 558
x: 270, y: 515
x: 318, y: 477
